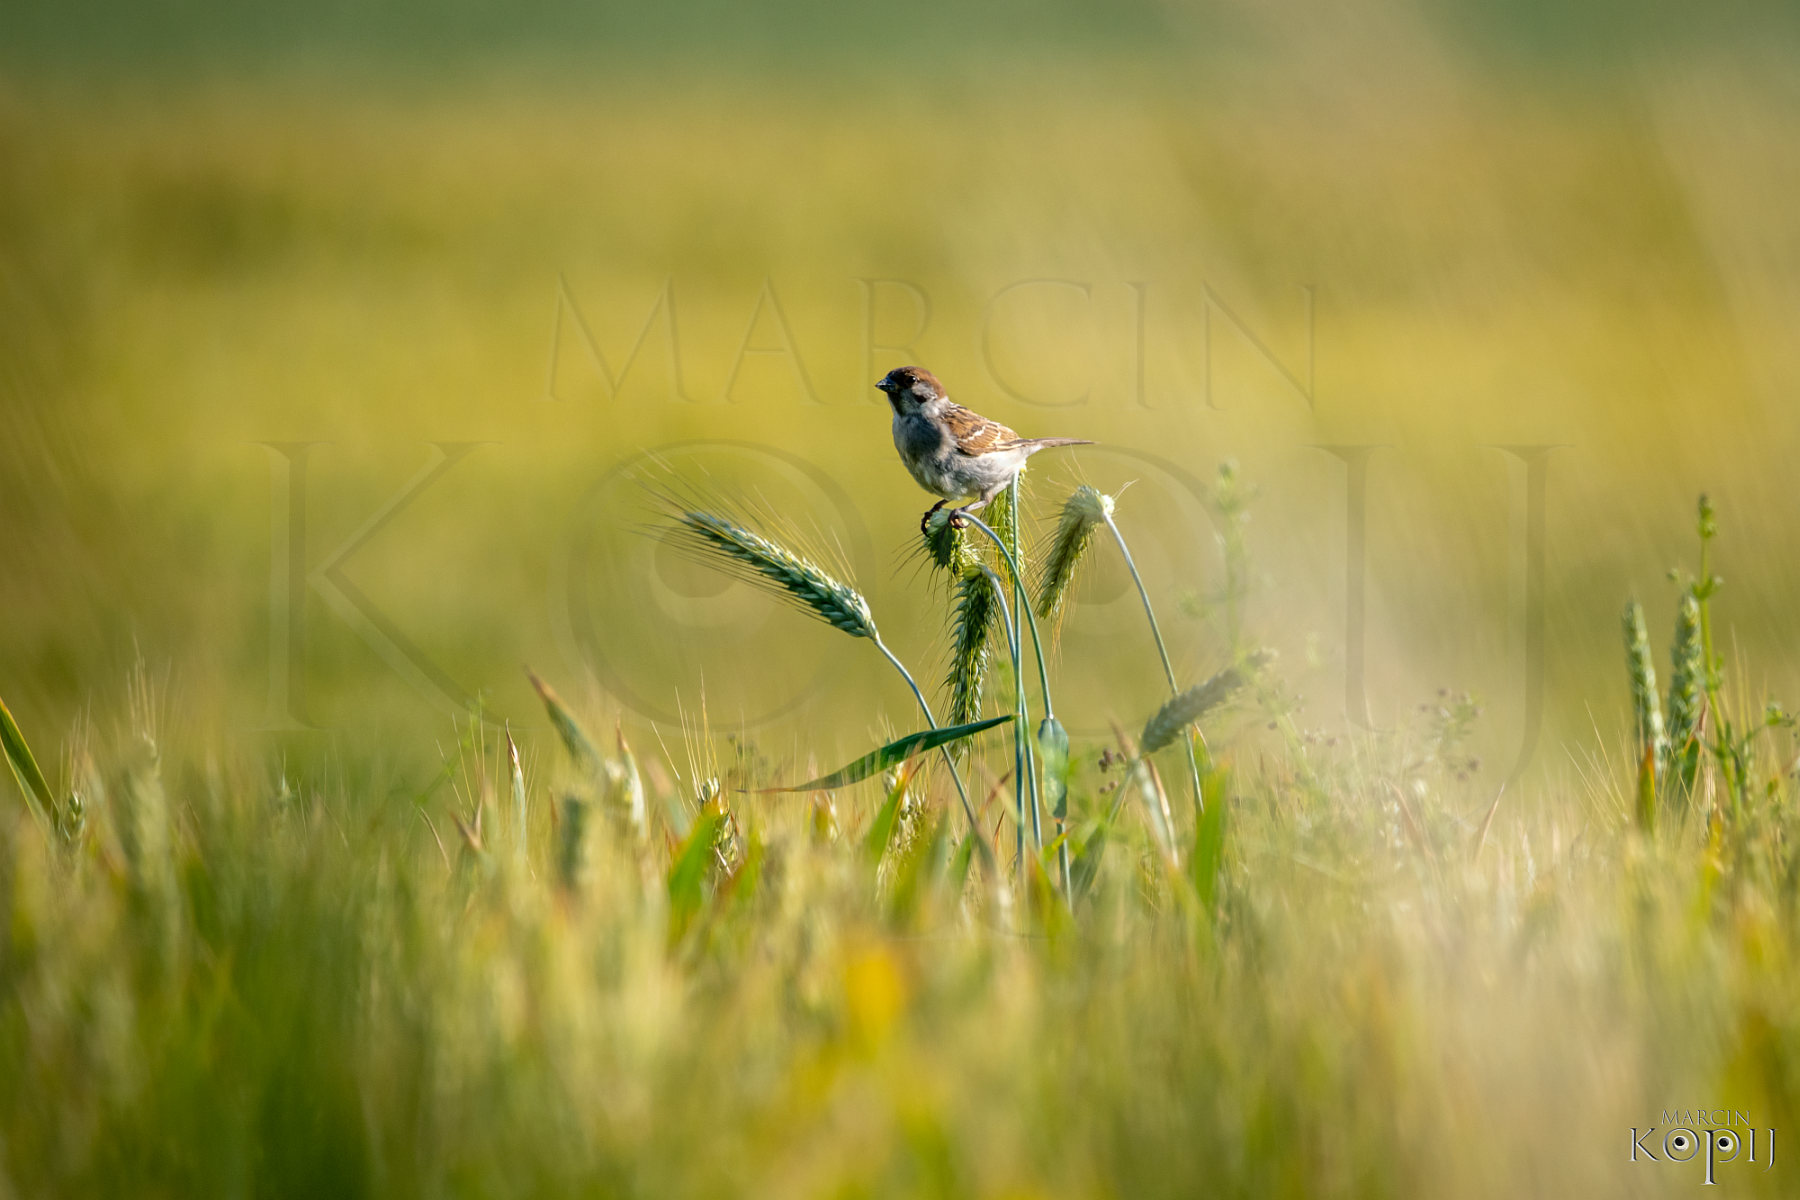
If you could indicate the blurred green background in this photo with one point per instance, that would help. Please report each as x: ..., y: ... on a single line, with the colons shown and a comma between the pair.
x: 381, y: 227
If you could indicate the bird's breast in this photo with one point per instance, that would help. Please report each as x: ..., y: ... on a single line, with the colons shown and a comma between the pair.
x: 925, y: 449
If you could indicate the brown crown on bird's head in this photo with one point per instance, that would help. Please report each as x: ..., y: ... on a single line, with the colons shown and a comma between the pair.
x: 909, y: 387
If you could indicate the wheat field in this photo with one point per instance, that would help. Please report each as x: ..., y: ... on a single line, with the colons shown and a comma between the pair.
x: 443, y: 499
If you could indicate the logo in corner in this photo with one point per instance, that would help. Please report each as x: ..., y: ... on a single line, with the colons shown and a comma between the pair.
x: 1721, y: 1135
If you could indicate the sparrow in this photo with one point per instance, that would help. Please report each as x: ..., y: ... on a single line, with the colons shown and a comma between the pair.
x: 951, y: 451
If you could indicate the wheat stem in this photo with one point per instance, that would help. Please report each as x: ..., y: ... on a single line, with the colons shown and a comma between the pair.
x: 961, y: 791
x: 1012, y: 565
x: 1006, y: 524
x: 1162, y: 652
x: 1023, y: 756
x: 1704, y: 586
x: 1023, y: 605
x: 1019, y: 746
x: 1081, y: 515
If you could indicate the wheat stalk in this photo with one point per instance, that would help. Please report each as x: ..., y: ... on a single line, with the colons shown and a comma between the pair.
x: 1162, y: 650
x: 1083, y: 513
x: 1024, y: 757
x: 767, y: 564
x: 1705, y: 585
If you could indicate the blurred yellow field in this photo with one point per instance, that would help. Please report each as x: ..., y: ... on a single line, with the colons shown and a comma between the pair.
x: 1436, y: 264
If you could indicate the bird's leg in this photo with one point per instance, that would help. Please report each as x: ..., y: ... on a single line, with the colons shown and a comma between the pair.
x: 975, y: 505
x: 925, y: 521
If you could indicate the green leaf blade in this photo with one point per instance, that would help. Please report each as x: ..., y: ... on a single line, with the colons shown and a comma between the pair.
x: 24, y: 766
x: 687, y: 873
x: 881, y: 830
x: 1209, y: 838
x: 893, y: 754
x: 574, y: 739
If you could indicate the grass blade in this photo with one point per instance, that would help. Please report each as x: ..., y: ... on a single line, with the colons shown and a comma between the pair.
x: 1209, y: 838
x: 24, y: 766
x: 631, y: 785
x: 881, y: 830
x: 956, y: 878
x: 1085, y: 867
x: 1148, y: 784
x: 516, y: 770
x: 892, y: 754
x: 574, y: 739
x: 687, y: 874
x: 920, y: 864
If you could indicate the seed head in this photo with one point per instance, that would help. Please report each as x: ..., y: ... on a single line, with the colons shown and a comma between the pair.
x: 778, y: 570
x: 1188, y: 707
x: 1645, y: 705
x: 1082, y: 513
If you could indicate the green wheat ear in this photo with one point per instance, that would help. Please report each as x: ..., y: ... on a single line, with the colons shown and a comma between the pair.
x: 1187, y: 707
x: 1004, y: 521
x: 972, y: 619
x: 1686, y: 675
x: 1083, y: 513
x: 946, y: 546
x: 798, y: 580
x: 974, y: 608
x: 1645, y: 706
x: 778, y: 570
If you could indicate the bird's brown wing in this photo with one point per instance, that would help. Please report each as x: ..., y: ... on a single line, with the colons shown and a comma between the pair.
x: 976, y: 435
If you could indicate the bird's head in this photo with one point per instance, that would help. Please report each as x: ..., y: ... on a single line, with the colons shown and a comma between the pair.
x: 909, y: 387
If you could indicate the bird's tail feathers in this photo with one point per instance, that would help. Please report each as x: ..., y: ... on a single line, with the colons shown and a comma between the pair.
x: 1036, y: 444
